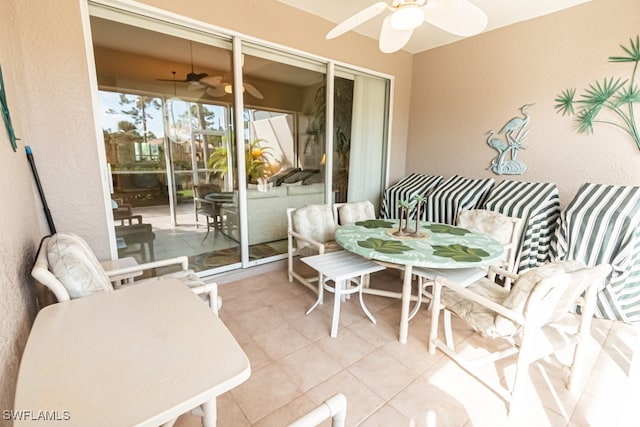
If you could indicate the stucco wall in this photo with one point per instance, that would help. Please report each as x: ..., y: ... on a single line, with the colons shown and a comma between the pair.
x: 463, y: 90
x: 46, y: 76
x: 19, y: 229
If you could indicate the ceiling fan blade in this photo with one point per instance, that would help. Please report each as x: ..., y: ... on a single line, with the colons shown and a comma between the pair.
x: 392, y: 40
x: 357, y: 19
x: 459, y: 17
x: 213, y: 81
x: 195, y: 86
x: 216, y: 91
x: 253, y: 91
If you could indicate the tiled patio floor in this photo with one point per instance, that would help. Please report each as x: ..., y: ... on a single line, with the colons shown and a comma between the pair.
x: 296, y: 365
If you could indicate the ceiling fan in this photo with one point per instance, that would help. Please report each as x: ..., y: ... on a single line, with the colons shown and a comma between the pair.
x: 219, y: 86
x: 459, y: 17
x: 192, y: 78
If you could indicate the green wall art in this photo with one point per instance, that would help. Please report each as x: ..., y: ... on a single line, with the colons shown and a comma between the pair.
x: 5, y: 114
x: 514, y: 132
x: 609, y: 101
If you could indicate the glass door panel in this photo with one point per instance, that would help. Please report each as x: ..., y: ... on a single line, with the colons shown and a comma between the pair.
x: 284, y: 144
x: 162, y: 127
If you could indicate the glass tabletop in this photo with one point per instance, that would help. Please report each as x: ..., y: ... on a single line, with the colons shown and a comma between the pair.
x: 440, y: 246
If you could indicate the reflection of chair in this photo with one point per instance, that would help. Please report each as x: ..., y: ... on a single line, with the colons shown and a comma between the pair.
x: 66, y: 265
x: 206, y: 208
x: 352, y: 212
x: 122, y: 212
x: 531, y: 319
x: 312, y: 227
x: 504, y: 229
x: 136, y: 236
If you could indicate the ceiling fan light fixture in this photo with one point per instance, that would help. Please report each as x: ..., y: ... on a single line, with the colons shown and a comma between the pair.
x: 407, y: 17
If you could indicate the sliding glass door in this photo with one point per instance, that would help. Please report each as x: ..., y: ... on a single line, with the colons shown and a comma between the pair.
x: 211, y: 139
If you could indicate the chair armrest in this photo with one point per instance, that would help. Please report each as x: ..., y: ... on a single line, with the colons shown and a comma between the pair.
x: 469, y: 294
x: 312, y: 242
x: 182, y: 260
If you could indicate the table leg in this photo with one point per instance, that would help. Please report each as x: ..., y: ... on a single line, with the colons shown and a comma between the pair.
x: 210, y: 414
x: 337, y: 297
x: 406, y: 299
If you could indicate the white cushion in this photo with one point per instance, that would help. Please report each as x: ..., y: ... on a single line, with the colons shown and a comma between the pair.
x: 493, y: 224
x: 352, y: 212
x: 75, y: 266
x: 314, y: 222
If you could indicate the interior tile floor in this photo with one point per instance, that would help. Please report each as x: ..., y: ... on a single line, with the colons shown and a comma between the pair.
x: 296, y: 366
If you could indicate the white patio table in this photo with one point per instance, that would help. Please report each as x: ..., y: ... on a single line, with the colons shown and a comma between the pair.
x: 138, y: 356
x: 441, y: 246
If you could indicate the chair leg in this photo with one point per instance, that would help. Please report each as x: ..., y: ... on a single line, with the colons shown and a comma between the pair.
x: 448, y: 334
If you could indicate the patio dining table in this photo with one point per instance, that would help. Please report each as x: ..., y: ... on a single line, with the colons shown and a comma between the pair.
x: 440, y: 246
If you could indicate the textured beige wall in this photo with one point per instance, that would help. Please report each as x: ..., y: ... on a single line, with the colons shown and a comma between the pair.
x: 44, y: 65
x: 463, y: 90
x: 19, y: 229
x: 277, y: 23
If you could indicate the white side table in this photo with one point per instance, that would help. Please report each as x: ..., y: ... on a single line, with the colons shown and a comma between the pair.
x: 340, y: 267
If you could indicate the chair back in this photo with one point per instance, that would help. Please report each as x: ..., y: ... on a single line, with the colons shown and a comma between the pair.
x: 315, y: 222
x: 506, y: 230
x: 66, y: 265
x: 547, y: 293
x: 352, y: 212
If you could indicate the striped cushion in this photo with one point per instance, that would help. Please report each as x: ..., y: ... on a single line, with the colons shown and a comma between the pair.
x: 539, y: 205
x: 457, y: 193
x: 408, y: 187
x: 602, y: 225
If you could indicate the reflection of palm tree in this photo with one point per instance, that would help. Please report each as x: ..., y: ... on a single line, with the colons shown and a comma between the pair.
x: 516, y: 124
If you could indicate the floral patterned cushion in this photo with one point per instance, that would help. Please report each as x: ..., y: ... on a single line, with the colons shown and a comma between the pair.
x: 489, y: 323
x: 493, y: 224
x: 75, y: 266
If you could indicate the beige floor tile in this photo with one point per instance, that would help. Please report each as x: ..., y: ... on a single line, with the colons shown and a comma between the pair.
x: 257, y: 356
x: 309, y: 366
x: 259, y: 320
x: 315, y: 326
x: 390, y: 384
x: 361, y: 400
x: 385, y: 417
x: 382, y: 373
x: 269, y: 389
x: 229, y: 412
x: 427, y: 405
x: 414, y: 354
x: 347, y: 348
x: 289, y: 413
x: 281, y: 341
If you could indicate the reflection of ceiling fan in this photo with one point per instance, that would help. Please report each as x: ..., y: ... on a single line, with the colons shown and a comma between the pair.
x: 219, y: 86
x: 459, y: 17
x: 192, y: 78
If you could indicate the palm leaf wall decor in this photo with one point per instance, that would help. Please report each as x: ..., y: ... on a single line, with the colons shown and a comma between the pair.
x: 615, y: 95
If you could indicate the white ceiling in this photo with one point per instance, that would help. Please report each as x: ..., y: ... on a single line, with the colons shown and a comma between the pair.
x: 500, y: 12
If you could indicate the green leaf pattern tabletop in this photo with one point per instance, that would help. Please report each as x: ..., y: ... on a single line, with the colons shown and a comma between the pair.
x: 443, y: 245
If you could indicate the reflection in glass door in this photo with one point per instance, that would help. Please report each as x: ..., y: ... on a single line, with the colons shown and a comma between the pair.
x: 163, y: 134
x: 173, y: 139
